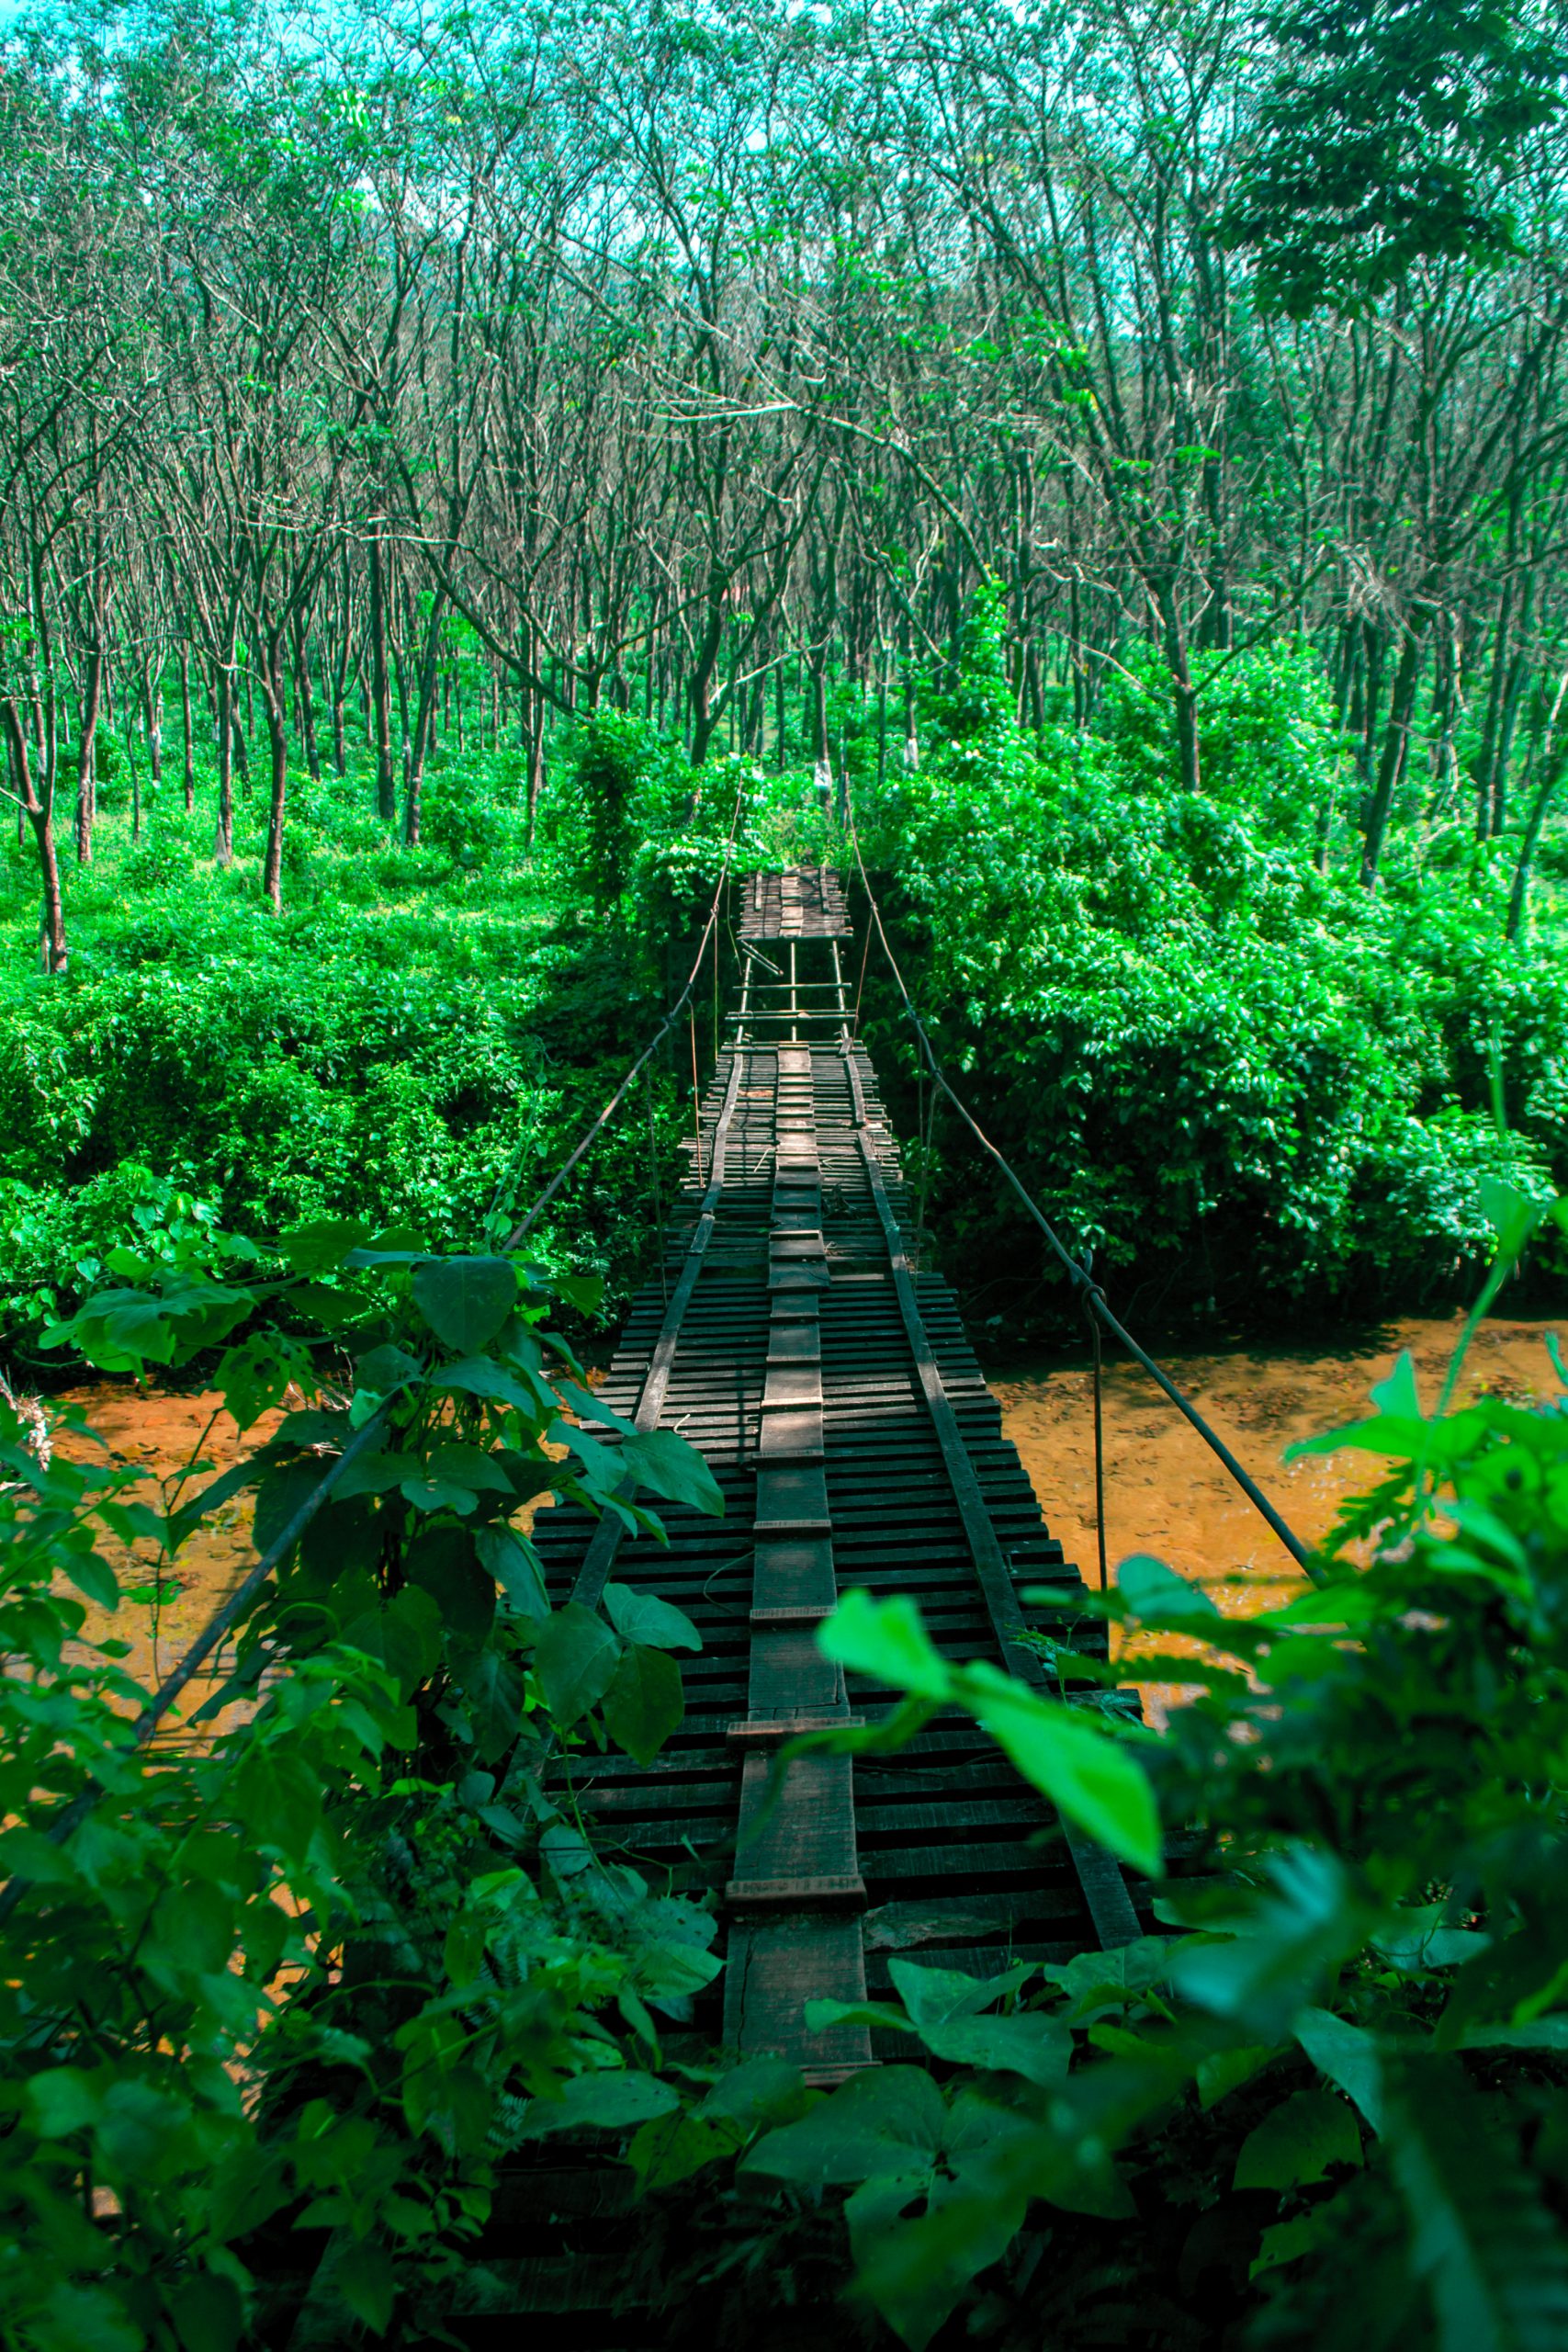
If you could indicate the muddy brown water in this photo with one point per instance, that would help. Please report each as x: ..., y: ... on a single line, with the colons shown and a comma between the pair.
x: 1165, y: 1493
x: 1168, y: 1494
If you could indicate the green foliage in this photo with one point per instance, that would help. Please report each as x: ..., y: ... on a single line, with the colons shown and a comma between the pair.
x: 1237, y: 1080
x: 278, y: 2000
x: 1387, y: 139
x: 427, y: 1030
x: 1349, y: 2066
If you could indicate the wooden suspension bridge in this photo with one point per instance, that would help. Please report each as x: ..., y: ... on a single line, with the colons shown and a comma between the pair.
x: 828, y: 1382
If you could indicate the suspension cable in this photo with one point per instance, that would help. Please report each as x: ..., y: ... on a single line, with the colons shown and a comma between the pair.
x: 665, y: 1026
x: 1088, y: 1291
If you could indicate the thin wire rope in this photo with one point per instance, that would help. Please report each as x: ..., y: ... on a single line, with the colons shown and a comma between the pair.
x: 656, y: 1187
x: 1088, y: 1291
x: 697, y: 1106
x: 665, y: 1026
x: 1094, y: 1335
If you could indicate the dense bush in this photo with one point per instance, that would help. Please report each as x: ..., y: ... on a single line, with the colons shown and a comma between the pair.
x: 1246, y: 1083
x: 1239, y: 1080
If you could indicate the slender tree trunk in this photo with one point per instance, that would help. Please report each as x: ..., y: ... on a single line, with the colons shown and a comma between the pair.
x: 305, y: 698
x: 1554, y: 759
x: 536, y: 702
x: 1507, y: 717
x: 224, y: 842
x: 39, y: 813
x: 1484, y: 772
x: 152, y: 703
x: 275, y: 695
x: 424, y: 717
x: 1396, y: 739
x: 1182, y: 689
x: 185, y: 723
x: 381, y: 686
x: 86, y: 756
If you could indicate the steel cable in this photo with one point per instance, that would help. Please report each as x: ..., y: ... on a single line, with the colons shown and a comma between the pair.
x: 1088, y: 1291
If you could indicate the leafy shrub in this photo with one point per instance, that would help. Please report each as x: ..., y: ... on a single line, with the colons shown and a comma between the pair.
x: 320, y: 1974
x: 159, y: 861
x: 1235, y: 1078
x: 1333, y: 2107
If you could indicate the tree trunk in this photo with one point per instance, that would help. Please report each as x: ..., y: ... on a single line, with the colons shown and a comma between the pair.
x: 39, y: 813
x: 305, y: 698
x: 152, y: 702
x: 1181, y: 687
x: 381, y: 686
x: 224, y: 842
x: 185, y: 722
x: 1554, y: 759
x: 536, y: 702
x: 86, y: 752
x: 275, y: 693
x: 424, y: 717
x: 1509, y: 716
x: 1396, y: 739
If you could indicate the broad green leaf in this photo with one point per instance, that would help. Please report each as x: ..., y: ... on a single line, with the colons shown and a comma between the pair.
x: 759, y: 2090
x: 493, y: 1685
x: 886, y: 1640
x: 1348, y: 2055
x: 1298, y: 2142
x: 643, y: 1617
x: 585, y: 1401
x: 933, y: 1996
x: 64, y: 2099
x: 612, y: 2101
x: 673, y: 2147
x: 438, y: 1494
x: 1155, y: 1592
x: 465, y: 1300
x: 1542, y: 2033
x: 280, y: 1496
x: 820, y: 2016
x: 1398, y: 1395
x: 403, y: 1634
x: 1034, y: 2044
x: 467, y: 1465
x: 576, y: 1657
x: 1288, y: 2241
x: 1082, y: 1769
x: 93, y: 1577
x: 373, y: 1474
x: 1290, y: 1942
x: 208, y: 2313
x: 386, y: 1368
x: 889, y: 2119
x: 321, y: 1248
x: 1511, y: 1213
x: 666, y: 1464
x: 1111, y: 1980
x: 514, y: 1564
x: 363, y: 2275
x: 441, y: 1562
x: 1494, y: 2257
x: 1227, y: 2070
x: 479, y: 1376
x: 581, y: 1291
x: 644, y: 1702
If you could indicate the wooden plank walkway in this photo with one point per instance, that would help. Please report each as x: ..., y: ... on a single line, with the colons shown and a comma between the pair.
x: 831, y: 1387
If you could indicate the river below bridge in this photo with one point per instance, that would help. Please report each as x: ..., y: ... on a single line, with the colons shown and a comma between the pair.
x: 1168, y: 1494
x: 1165, y: 1491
